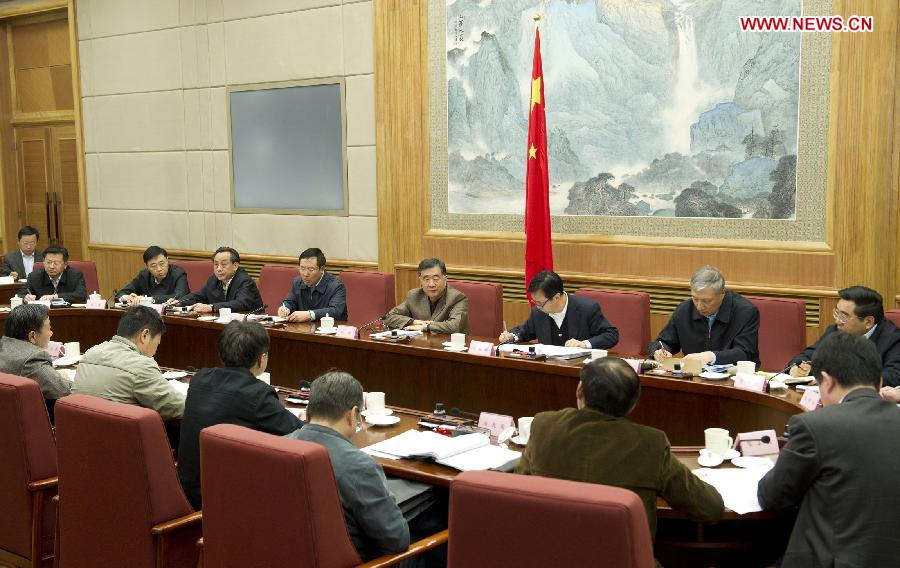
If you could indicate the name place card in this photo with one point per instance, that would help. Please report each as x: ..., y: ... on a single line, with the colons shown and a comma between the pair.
x: 810, y: 400
x: 483, y: 348
x: 96, y: 304
x: 347, y: 332
x: 496, y: 423
x: 759, y: 443
x: 750, y: 382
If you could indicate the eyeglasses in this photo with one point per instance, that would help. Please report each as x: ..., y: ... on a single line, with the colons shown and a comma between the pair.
x: 309, y: 270
x: 430, y: 279
x: 842, y: 316
x: 540, y: 305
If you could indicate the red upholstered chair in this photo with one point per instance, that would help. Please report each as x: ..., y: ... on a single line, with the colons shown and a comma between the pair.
x: 27, y: 475
x: 274, y: 285
x: 629, y: 312
x: 198, y: 272
x: 894, y: 316
x: 120, y: 501
x: 503, y: 519
x: 370, y: 295
x: 782, y: 330
x: 271, y: 501
x: 88, y: 268
x: 485, y: 306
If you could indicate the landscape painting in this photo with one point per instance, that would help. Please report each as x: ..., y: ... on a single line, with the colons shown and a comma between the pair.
x: 660, y: 108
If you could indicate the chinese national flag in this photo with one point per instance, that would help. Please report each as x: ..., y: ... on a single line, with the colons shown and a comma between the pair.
x: 538, y: 249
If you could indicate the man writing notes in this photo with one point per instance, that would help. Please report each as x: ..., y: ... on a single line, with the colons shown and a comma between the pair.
x: 20, y: 262
x: 860, y: 312
x: 314, y: 293
x: 560, y: 319
x: 594, y: 443
x: 840, y: 464
x: 229, y: 287
x: 55, y: 280
x: 433, y: 307
x: 716, y: 326
x: 160, y: 280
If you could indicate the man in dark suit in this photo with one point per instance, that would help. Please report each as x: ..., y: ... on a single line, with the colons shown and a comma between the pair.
x: 230, y: 395
x: 20, y: 262
x: 560, y: 319
x: 55, y: 280
x: 715, y: 326
x: 314, y: 293
x: 596, y: 444
x: 229, y: 287
x: 840, y: 465
x: 435, y: 306
x: 860, y: 311
x: 160, y: 280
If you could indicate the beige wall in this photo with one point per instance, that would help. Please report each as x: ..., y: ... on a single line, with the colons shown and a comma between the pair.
x: 153, y: 77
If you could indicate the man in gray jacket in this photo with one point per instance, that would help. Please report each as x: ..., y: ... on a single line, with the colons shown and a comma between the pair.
x: 23, y: 351
x: 123, y: 369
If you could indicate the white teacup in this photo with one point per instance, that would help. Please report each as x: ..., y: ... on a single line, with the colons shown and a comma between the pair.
x: 717, y: 440
x: 327, y: 322
x: 96, y: 296
x: 144, y: 300
x: 225, y: 314
x: 458, y: 339
x: 375, y: 403
x: 746, y: 367
x: 72, y: 348
x: 599, y: 353
x: 15, y: 301
x: 525, y: 426
x: 265, y: 377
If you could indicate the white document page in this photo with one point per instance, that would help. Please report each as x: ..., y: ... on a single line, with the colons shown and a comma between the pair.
x: 485, y: 457
x: 414, y: 443
x: 736, y: 486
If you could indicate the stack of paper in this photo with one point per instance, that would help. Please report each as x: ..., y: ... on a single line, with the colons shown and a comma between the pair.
x: 465, y: 453
x: 552, y: 351
x: 736, y: 486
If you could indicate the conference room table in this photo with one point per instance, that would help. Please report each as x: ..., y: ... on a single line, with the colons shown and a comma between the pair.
x: 420, y: 373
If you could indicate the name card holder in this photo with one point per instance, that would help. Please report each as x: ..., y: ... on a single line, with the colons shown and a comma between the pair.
x: 755, y: 444
x: 483, y: 348
x: 238, y: 317
x: 347, y: 332
x: 55, y: 349
x: 95, y: 304
x: 810, y: 399
x: 746, y: 381
x: 496, y: 423
x: 161, y: 308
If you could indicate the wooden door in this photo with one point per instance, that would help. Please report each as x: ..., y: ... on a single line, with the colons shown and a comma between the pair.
x: 48, y: 194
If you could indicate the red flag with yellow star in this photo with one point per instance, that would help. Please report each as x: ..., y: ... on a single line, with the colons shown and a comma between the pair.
x: 538, y: 246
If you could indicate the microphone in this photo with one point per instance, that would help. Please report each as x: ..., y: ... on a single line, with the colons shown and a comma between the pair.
x: 764, y: 439
x: 303, y: 385
x: 369, y: 325
x: 112, y: 297
x: 463, y: 414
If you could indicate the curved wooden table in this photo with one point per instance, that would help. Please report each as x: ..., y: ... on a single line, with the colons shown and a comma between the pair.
x: 420, y: 373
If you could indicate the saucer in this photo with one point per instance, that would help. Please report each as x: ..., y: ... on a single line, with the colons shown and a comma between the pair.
x: 449, y: 344
x: 731, y: 453
x: 713, y: 376
x: 382, y: 420
x: 323, y: 331
x: 385, y: 412
x: 752, y: 461
x: 709, y: 459
x: 458, y: 349
x: 174, y: 375
x: 519, y: 440
x: 207, y: 318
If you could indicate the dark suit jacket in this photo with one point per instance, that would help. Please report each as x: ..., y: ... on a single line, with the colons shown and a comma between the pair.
x: 71, y: 287
x: 734, y: 335
x: 329, y: 297
x: 584, y: 321
x: 12, y: 262
x: 887, y: 340
x: 174, y: 285
x: 226, y: 396
x: 840, y: 467
x: 588, y: 445
x: 450, y: 315
x: 243, y: 295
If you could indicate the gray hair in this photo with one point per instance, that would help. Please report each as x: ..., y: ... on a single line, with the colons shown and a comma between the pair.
x: 333, y: 394
x: 708, y: 277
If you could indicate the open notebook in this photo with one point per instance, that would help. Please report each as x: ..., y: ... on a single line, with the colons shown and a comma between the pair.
x: 466, y: 453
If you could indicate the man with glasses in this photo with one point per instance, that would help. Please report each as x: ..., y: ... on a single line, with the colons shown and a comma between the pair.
x: 433, y: 307
x: 315, y: 293
x: 860, y: 311
x: 160, y: 280
x: 716, y: 326
x: 560, y: 319
x: 229, y: 287
x: 55, y: 280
